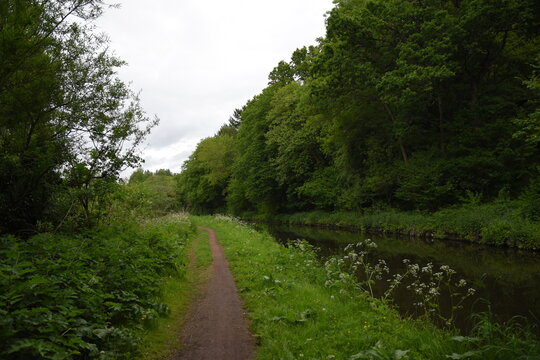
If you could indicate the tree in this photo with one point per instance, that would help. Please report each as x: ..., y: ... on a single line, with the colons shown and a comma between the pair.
x: 529, y: 125
x: 295, y: 133
x: 408, y: 104
x: 254, y: 186
x: 202, y: 184
x: 65, y: 118
x: 236, y: 119
x: 408, y: 77
x: 139, y: 176
x: 163, y: 172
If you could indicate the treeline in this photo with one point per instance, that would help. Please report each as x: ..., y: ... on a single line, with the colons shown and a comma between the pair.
x: 410, y: 105
x: 68, y: 124
x: 149, y: 193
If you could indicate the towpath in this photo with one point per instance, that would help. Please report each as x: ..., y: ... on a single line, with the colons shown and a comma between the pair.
x: 216, y: 327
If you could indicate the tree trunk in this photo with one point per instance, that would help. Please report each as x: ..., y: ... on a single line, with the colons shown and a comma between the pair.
x: 403, y: 151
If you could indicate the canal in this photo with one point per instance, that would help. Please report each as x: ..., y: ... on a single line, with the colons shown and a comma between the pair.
x: 507, y: 281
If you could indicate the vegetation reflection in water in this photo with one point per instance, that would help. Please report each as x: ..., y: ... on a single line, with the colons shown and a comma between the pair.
x: 504, y: 280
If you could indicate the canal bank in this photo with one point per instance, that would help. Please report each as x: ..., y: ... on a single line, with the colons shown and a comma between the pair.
x: 505, y: 279
x: 497, y: 224
x: 300, y: 309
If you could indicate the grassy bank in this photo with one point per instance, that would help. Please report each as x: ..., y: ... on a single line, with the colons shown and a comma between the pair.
x: 294, y: 315
x: 499, y: 224
x: 301, y: 310
x: 89, y: 296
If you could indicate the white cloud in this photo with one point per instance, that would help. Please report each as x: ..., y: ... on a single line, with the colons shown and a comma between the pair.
x: 171, y: 156
x: 196, y: 61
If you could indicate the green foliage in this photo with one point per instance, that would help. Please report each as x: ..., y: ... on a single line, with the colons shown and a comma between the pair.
x: 501, y: 223
x: 139, y: 176
x: 422, y: 184
x: 202, y: 185
x: 511, y: 340
x: 254, y: 185
x: 292, y: 299
x: 86, y: 296
x: 65, y: 117
x: 403, y: 104
x: 321, y: 190
x: 295, y: 136
x: 290, y: 306
x: 530, y: 201
x: 146, y: 195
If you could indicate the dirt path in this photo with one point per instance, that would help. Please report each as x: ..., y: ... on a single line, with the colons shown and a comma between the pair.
x: 216, y: 328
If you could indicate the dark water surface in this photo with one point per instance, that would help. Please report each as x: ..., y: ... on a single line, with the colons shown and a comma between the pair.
x: 507, y: 281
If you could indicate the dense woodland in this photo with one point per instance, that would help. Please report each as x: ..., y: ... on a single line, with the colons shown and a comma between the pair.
x: 408, y: 105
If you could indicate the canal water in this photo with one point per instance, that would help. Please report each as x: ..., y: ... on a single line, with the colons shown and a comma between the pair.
x: 507, y: 281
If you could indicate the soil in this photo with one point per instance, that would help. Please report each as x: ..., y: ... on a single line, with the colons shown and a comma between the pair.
x: 216, y: 327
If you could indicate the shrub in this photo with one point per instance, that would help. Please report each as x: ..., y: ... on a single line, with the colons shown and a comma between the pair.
x: 86, y: 296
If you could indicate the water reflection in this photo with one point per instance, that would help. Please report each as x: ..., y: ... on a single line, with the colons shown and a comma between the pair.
x: 506, y: 280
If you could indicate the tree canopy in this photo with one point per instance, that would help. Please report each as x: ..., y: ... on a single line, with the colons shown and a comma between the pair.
x: 407, y: 104
x: 67, y: 122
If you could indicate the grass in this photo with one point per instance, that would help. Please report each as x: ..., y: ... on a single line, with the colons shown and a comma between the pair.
x: 499, y: 223
x: 163, y: 340
x: 294, y: 315
x: 296, y: 312
x: 204, y: 254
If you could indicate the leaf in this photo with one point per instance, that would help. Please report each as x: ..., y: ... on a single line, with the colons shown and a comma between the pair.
x: 373, y: 353
x: 368, y: 354
x: 401, y: 354
x: 466, y: 355
x: 464, y: 339
x: 103, y: 333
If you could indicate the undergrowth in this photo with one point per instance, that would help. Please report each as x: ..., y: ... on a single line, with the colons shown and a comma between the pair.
x: 500, y: 223
x: 87, y: 296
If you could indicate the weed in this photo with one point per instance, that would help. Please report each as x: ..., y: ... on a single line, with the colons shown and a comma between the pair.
x: 64, y: 297
x: 296, y: 314
x: 500, y: 223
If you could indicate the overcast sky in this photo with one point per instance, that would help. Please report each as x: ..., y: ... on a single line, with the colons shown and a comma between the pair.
x: 195, y: 61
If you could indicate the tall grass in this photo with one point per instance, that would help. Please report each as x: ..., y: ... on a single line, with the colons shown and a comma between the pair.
x: 500, y: 223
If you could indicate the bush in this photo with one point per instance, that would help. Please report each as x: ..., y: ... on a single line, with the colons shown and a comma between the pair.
x: 86, y: 296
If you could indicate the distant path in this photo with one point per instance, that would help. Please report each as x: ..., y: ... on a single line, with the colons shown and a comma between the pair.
x: 216, y: 328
